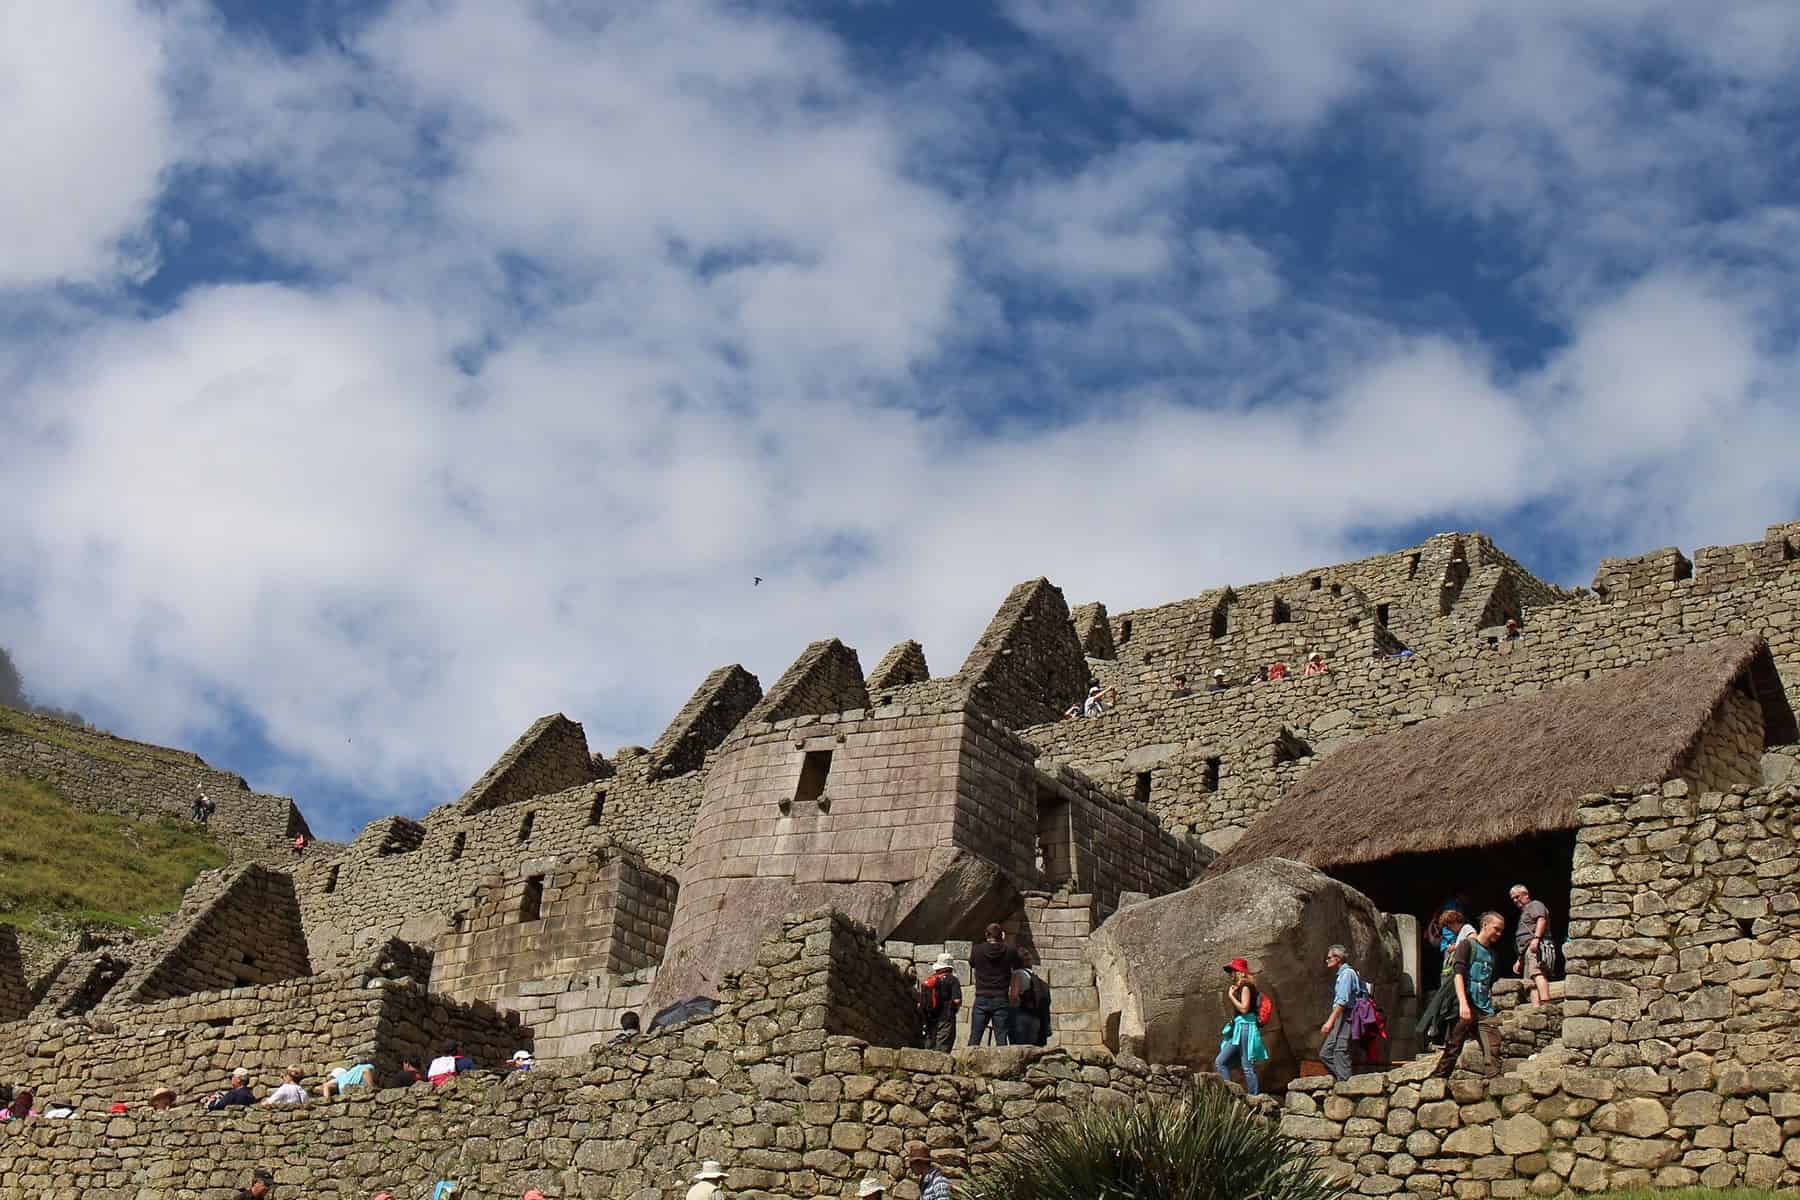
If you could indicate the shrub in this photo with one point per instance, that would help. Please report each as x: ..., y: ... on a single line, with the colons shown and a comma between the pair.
x: 1209, y: 1146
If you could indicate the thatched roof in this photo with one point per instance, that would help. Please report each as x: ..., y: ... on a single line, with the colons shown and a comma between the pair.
x: 1512, y: 769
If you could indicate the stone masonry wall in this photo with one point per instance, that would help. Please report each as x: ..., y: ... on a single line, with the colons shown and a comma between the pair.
x: 792, y: 1111
x: 1027, y: 666
x: 15, y: 993
x: 1677, y: 1063
x: 101, y: 773
x: 1731, y: 746
x: 250, y: 933
x: 548, y: 757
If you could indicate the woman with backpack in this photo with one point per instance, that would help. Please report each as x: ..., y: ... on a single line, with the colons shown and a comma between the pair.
x: 1241, y: 1041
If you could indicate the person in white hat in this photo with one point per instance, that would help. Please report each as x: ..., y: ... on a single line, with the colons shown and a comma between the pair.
x: 940, y: 999
x: 1218, y: 680
x: 871, y: 1187
x: 1315, y: 664
x: 521, y: 1060
x: 706, y: 1182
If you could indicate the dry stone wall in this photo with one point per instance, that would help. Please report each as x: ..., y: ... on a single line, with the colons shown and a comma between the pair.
x: 548, y: 757
x: 15, y: 993
x: 249, y: 934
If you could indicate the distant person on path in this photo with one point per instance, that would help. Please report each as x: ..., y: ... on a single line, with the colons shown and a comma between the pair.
x: 199, y: 811
x: 290, y: 1091
x: 1241, y: 1041
x: 940, y: 999
x: 1346, y: 986
x: 1473, y: 964
x: 933, y: 1183
x: 1531, y: 936
x: 992, y: 962
x: 236, y: 1095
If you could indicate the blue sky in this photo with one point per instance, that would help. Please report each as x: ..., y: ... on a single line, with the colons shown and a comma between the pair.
x: 378, y: 376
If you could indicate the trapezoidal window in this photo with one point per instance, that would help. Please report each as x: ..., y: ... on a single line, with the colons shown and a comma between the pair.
x: 1412, y: 565
x: 1141, y: 792
x: 1056, y: 840
x: 813, y: 774
x: 1381, y: 615
x: 331, y: 879
x: 1209, y: 775
x: 525, y: 827
x: 1124, y: 631
x: 598, y: 809
x: 1279, y: 612
x: 1220, y: 621
x: 1318, y: 581
x: 456, y: 846
x: 531, y: 904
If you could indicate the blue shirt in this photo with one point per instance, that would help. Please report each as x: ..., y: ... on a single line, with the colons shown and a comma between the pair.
x: 1349, y: 987
x: 1475, y: 963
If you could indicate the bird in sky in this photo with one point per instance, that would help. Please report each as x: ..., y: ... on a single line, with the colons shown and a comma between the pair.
x: 756, y: 581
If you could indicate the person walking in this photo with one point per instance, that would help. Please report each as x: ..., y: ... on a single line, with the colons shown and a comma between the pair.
x: 1347, y: 985
x: 1474, y: 974
x: 933, y: 1183
x: 992, y: 963
x: 1445, y: 929
x: 1241, y: 1041
x: 940, y: 999
x: 1532, y: 936
x: 1029, y: 1018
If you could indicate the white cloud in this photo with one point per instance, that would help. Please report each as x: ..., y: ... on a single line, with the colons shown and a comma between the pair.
x: 84, y: 139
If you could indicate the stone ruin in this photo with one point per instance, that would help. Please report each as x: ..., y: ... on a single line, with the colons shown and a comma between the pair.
x: 790, y: 854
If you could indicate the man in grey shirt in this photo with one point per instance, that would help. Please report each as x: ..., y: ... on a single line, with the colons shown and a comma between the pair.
x: 1533, y: 930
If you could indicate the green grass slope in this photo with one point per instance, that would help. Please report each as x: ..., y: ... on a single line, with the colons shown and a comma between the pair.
x: 62, y: 867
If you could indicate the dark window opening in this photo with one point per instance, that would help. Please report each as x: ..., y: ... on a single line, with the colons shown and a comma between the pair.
x: 249, y: 960
x: 1789, y: 552
x: 1220, y: 621
x: 1056, y: 840
x: 1684, y: 568
x: 1209, y: 778
x: 241, y: 982
x: 531, y: 904
x: 1746, y: 925
x: 459, y: 920
x: 1279, y: 613
x: 331, y: 878
x: 1412, y: 565
x: 525, y: 826
x: 222, y: 1022
x: 1318, y: 581
x: 813, y: 774
x: 1142, y: 793
x: 598, y: 809
x: 1337, y: 589
x: 1124, y: 631
x: 456, y: 846
x: 1381, y: 615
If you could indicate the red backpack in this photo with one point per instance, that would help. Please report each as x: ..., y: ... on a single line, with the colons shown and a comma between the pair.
x: 1265, y: 1008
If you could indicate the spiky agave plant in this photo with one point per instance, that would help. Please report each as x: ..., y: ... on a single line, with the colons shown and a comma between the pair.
x: 1208, y: 1146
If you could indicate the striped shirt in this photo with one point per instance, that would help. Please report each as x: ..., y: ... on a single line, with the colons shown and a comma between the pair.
x: 935, y: 1187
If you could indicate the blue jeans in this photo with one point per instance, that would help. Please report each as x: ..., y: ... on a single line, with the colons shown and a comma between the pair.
x: 990, y: 1009
x: 1231, y: 1054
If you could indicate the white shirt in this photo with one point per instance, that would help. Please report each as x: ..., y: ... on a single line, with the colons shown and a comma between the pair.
x: 287, y: 1093
x: 442, y: 1065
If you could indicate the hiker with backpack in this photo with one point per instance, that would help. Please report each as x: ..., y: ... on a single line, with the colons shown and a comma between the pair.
x: 1241, y: 1041
x: 940, y: 996
x: 1346, y: 989
x: 1030, y: 998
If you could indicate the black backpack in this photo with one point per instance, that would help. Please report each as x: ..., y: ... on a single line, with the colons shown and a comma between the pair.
x: 1039, y: 1000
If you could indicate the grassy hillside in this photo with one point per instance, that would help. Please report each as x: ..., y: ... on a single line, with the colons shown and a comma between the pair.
x: 61, y: 866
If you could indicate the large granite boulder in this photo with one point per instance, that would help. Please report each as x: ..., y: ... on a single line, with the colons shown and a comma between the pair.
x: 1159, y: 964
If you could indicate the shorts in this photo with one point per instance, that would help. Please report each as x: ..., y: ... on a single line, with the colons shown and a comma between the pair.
x: 1534, y: 966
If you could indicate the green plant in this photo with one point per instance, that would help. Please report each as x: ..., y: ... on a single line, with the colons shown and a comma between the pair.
x: 1207, y: 1146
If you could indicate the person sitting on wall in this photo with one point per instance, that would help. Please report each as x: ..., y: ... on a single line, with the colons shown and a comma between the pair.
x: 163, y: 1098
x: 262, y: 1185
x: 290, y: 1092
x: 521, y: 1060
x: 237, y: 1095
x: 346, y: 1076
x: 299, y: 844
x: 1099, y: 700
x: 1218, y: 681
x: 446, y: 1066
x: 871, y: 1187
x: 629, y: 1024
x: 408, y: 1074
x: 18, y: 1106
x: 1278, y: 670
x: 1178, y: 687
x: 1512, y: 629
x: 1315, y: 665
x: 1260, y: 675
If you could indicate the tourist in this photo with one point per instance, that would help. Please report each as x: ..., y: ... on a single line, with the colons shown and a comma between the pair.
x: 1027, y: 1022
x: 1241, y: 1041
x: 1315, y: 665
x: 1218, y: 681
x: 163, y: 1098
x: 532, y: 1194
x: 870, y: 1187
x: 1532, y: 936
x: 408, y: 1074
x: 521, y: 1060
x: 262, y: 1184
x: 1475, y: 1012
x: 1278, y: 670
x: 348, y: 1075
x: 19, y: 1106
x: 1512, y: 629
x: 1446, y: 928
x: 236, y: 1095
x: 706, y: 1182
x: 992, y: 963
x: 933, y: 1184
x: 629, y: 1023
x: 299, y: 844
x: 290, y: 1091
x: 199, y: 809
x: 940, y: 999
x: 446, y: 1066
x: 1099, y: 701
x: 1334, y: 1049
x: 1178, y: 687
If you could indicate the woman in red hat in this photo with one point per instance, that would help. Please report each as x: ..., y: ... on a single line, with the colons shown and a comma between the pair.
x: 1241, y: 1041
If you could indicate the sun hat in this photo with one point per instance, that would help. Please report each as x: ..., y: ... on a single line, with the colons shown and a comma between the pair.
x: 870, y: 1187
x: 521, y: 1056
x: 1237, y: 964
x: 1219, y: 673
x: 709, y: 1169
x: 162, y: 1091
x: 943, y: 962
x: 918, y: 1152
